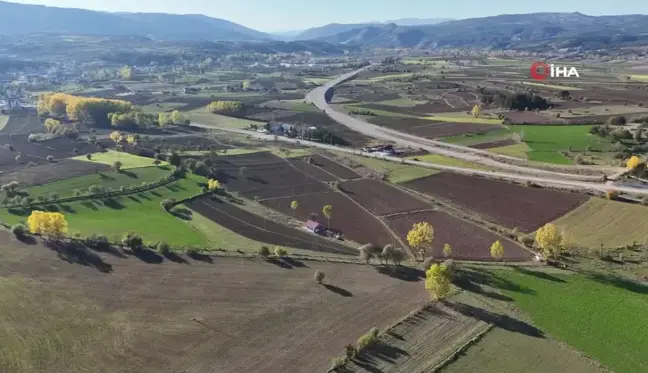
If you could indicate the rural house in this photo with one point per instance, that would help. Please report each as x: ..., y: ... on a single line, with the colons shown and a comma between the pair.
x: 313, y: 226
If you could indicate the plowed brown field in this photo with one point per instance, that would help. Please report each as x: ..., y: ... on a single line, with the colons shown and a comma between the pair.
x: 226, y: 315
x: 468, y: 241
x: 381, y: 198
x: 503, y: 203
x: 349, y: 218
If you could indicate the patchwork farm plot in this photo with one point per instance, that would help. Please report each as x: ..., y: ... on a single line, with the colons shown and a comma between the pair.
x: 262, y: 229
x: 47, y: 173
x: 17, y: 151
x: 354, y: 222
x: 433, y: 129
x: 503, y: 203
x: 380, y: 198
x: 23, y: 124
x: 468, y: 241
x: 199, y: 306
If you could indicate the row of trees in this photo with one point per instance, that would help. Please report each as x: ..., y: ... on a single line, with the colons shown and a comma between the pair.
x: 227, y: 107
x: 91, y: 111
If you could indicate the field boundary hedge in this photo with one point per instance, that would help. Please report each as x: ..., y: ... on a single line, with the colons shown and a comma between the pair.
x: 149, y: 186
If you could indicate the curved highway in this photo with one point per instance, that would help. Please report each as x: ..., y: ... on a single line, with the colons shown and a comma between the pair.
x: 317, y: 97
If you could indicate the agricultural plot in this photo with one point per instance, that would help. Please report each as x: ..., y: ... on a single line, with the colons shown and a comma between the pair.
x: 127, y: 160
x: 23, y: 124
x: 3, y: 121
x: 420, y: 342
x: 547, y: 141
x: 355, y: 223
x: 115, y: 216
x: 599, y: 317
x: 608, y: 223
x: 312, y: 171
x: 340, y: 171
x: 468, y: 241
x: 16, y: 151
x: 518, y: 150
x: 431, y: 129
x: 263, y: 230
x: 530, y: 117
x: 503, y: 203
x: 381, y: 198
x: 479, y: 137
x: 394, y: 172
x: 128, y: 321
x: 108, y: 180
x: 495, y: 144
x: 447, y: 161
x: 47, y: 173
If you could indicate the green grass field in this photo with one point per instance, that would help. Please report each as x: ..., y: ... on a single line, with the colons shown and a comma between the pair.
x: 551, y: 86
x: 389, y: 77
x: 395, y: 172
x: 547, y: 141
x: 204, y: 116
x: 109, y: 179
x: 447, y: 161
x: 610, y: 223
x: 643, y: 78
x: 3, y: 121
x: 601, y: 316
x: 401, y: 102
x: 517, y: 150
x: 140, y: 213
x: 495, y: 135
x: 462, y: 118
x: 128, y: 160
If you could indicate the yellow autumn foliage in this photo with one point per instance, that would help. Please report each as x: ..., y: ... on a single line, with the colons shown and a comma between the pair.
x: 51, y: 224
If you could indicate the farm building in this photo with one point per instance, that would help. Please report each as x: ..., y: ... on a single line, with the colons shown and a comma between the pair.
x: 313, y: 226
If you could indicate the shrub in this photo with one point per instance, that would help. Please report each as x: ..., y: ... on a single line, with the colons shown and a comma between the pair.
x: 75, y: 150
x: 264, y: 251
x: 117, y: 165
x: 133, y: 241
x: 97, y: 241
x: 612, y: 194
x: 89, y: 156
x: 167, y: 203
x: 192, y: 251
x: 427, y: 263
x: 319, y: 276
x: 280, y: 252
x: 50, y: 158
x: 368, y: 339
x: 337, y: 362
x: 350, y: 351
x: 163, y: 248
x: 10, y: 147
x: 19, y: 230
x: 450, y: 265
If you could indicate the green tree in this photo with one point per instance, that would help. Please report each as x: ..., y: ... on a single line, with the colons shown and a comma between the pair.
x: 132, y: 241
x: 328, y: 212
x: 175, y: 159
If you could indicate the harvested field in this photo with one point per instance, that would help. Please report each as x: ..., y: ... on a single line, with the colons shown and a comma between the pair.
x: 608, y: 223
x: 47, y: 173
x: 529, y: 117
x: 185, y: 143
x: 503, y: 203
x: 419, y: 343
x: 431, y: 129
x: 381, y: 198
x: 340, y: 171
x: 494, y: 144
x: 285, y: 191
x: 438, y: 106
x: 468, y: 241
x: 170, y: 317
x: 23, y: 124
x: 354, y: 222
x: 312, y: 171
x: 37, y: 152
x: 263, y: 230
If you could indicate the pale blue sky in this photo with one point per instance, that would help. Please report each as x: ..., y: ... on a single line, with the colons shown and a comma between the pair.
x: 281, y: 15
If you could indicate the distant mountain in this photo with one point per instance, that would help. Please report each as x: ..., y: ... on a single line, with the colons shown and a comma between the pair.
x: 21, y: 19
x: 286, y: 35
x: 417, y: 21
x: 537, y: 31
x: 330, y: 30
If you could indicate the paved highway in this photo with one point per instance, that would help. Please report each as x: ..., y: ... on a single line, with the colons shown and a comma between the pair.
x: 317, y: 97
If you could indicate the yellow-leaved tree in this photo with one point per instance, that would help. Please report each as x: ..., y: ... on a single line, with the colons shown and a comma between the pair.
x: 328, y: 212
x: 52, y: 224
x: 447, y: 250
x: 550, y: 240
x: 437, y: 281
x: 476, y: 111
x: 116, y: 137
x: 126, y: 72
x: 176, y: 117
x: 294, y: 205
x: 420, y: 237
x: 633, y: 162
x: 132, y: 139
x: 213, y: 185
x: 497, y: 250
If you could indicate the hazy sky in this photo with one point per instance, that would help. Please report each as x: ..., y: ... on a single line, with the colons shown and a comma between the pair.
x: 282, y: 15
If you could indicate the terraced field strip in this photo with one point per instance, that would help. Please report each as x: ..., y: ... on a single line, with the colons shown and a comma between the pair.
x: 608, y: 223
x: 127, y: 160
x: 420, y: 342
x: 453, y: 117
x: 395, y: 173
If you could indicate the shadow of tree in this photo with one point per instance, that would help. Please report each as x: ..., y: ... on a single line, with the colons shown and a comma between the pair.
x: 471, y: 279
x: 201, y: 257
x: 113, y: 203
x: 68, y: 209
x: 386, y: 352
x: 402, y: 272
x: 134, y: 199
x: 500, y: 320
x: 294, y: 262
x: 537, y: 274
x: 75, y: 253
x: 176, y: 258
x: 144, y: 196
x: 182, y: 213
x: 338, y: 290
x: 148, y: 256
x: 279, y: 263
x: 90, y: 204
x: 619, y: 282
